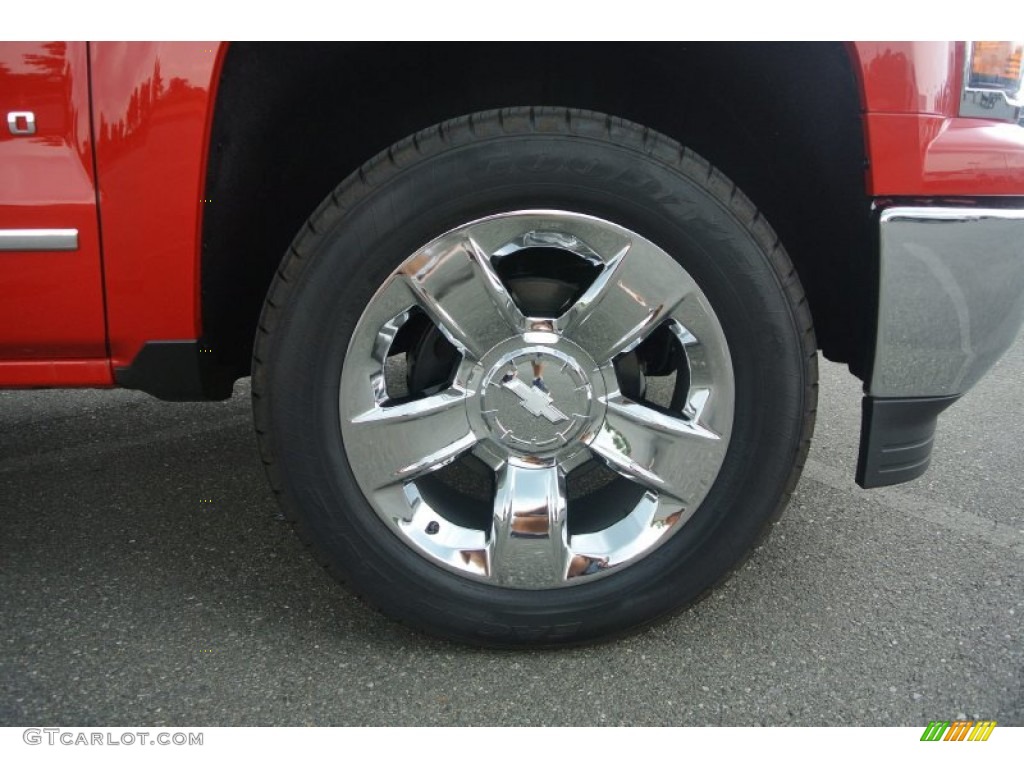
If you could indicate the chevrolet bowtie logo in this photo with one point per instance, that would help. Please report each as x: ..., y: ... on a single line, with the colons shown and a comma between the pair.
x: 533, y: 399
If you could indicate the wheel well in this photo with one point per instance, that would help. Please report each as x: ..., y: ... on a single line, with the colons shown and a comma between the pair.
x: 782, y: 120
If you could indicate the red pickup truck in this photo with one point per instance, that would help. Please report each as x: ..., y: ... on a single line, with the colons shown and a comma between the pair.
x: 532, y: 329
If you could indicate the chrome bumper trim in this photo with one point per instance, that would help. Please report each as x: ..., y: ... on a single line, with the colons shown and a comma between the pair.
x: 38, y: 239
x: 951, y: 297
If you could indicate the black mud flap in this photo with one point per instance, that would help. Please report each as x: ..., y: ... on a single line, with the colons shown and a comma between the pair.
x: 177, y: 370
x: 896, y: 437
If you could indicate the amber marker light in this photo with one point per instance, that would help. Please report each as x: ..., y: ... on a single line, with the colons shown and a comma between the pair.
x: 996, y: 65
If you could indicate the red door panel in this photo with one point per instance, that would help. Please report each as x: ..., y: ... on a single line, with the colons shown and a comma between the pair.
x: 52, y: 300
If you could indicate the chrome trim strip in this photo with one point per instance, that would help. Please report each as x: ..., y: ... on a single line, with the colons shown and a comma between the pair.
x: 38, y: 239
x: 950, y: 214
x: 951, y: 297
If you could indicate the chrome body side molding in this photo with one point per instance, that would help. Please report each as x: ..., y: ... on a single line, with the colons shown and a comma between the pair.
x: 38, y: 239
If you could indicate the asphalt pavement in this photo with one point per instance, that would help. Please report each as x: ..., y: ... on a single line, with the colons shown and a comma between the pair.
x: 146, y: 579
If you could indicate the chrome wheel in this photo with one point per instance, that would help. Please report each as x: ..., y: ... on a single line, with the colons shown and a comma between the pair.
x: 538, y: 450
x: 530, y: 430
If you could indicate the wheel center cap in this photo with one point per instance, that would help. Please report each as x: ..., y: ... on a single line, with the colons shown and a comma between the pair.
x: 535, y: 400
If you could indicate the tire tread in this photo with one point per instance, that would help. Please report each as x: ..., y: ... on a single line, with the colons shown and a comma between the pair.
x: 425, y: 144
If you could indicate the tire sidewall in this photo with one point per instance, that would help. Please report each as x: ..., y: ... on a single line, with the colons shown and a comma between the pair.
x: 349, y: 252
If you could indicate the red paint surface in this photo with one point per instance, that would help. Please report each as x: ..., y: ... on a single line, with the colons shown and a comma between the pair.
x: 152, y: 110
x: 52, y: 302
x: 913, y: 78
x: 927, y: 155
x: 916, y: 144
x: 55, y: 373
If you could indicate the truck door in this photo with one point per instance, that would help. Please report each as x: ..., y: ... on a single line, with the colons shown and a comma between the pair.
x: 52, y: 327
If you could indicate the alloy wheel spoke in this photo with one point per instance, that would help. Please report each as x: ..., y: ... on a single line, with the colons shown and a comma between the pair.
x: 638, y: 288
x: 401, y: 442
x: 534, y: 398
x: 528, y: 545
x: 455, y: 283
x: 649, y: 520
x: 668, y: 454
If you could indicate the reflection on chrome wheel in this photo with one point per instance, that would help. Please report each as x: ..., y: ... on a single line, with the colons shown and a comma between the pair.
x: 535, y: 397
x: 534, y: 377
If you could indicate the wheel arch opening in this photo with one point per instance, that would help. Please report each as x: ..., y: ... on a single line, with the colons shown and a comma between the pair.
x: 782, y: 120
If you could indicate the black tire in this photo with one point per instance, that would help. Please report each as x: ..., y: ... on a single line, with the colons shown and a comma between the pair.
x: 508, y: 160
